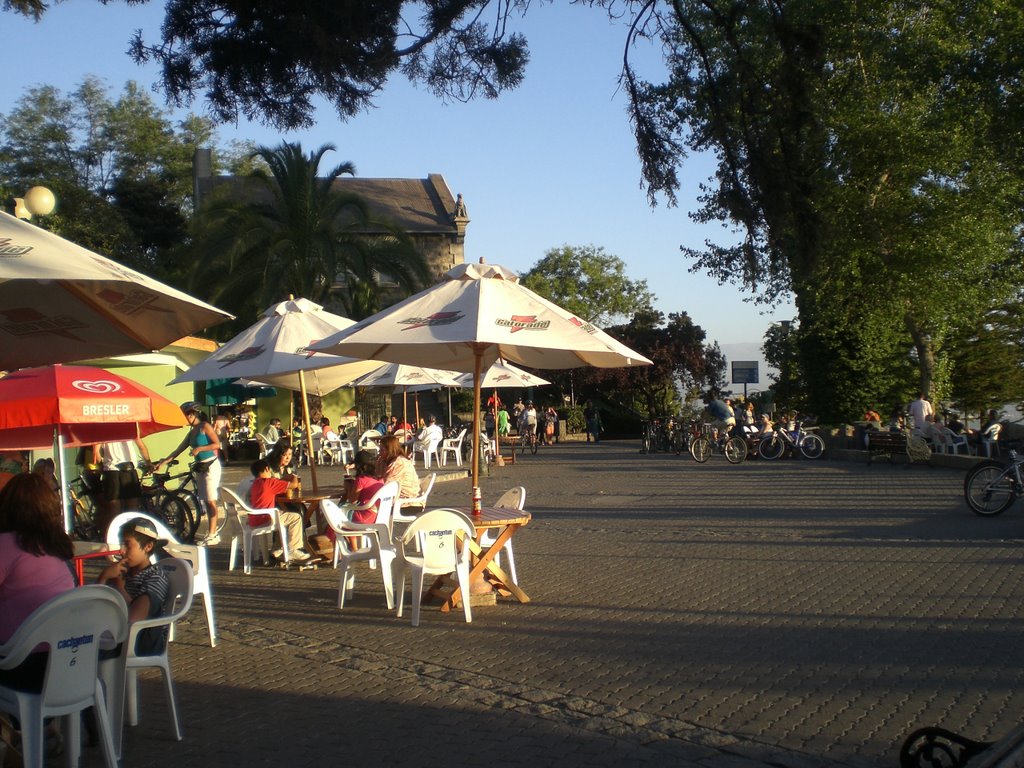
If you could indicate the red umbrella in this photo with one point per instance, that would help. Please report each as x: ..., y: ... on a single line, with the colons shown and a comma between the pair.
x: 82, y: 405
x: 69, y: 405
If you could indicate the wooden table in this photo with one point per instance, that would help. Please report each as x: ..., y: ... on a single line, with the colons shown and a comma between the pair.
x: 310, y: 500
x: 483, y: 566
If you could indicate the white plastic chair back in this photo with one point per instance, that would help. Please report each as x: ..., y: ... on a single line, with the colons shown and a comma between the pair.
x: 431, y: 546
x: 368, y: 440
x: 249, y: 533
x: 196, y: 555
x: 375, y: 539
x: 72, y: 625
x: 418, y: 502
x: 990, y: 439
x: 453, y: 445
x: 513, y: 498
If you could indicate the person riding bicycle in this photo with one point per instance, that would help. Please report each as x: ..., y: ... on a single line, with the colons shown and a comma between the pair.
x: 722, y: 415
x: 204, y: 448
x: 528, y: 420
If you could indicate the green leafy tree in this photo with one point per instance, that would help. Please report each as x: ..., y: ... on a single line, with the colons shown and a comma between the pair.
x: 988, y: 361
x: 289, y: 231
x: 866, y: 155
x: 120, y: 168
x: 589, y: 283
x: 682, y: 363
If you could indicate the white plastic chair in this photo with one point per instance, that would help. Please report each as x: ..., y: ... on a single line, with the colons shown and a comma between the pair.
x: 340, y: 451
x: 195, y: 555
x: 375, y: 540
x: 248, y: 533
x: 452, y: 445
x: 430, y: 546
x: 416, y: 501
x: 72, y: 625
x: 954, y: 442
x: 370, y: 441
x: 428, y: 450
x: 513, y: 498
x: 177, y: 604
x: 990, y: 439
x: 265, y: 446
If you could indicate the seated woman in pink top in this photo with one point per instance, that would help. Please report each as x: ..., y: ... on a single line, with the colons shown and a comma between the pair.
x: 366, y: 485
x: 35, y: 555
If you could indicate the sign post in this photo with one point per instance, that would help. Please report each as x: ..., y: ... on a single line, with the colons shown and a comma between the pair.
x: 745, y: 372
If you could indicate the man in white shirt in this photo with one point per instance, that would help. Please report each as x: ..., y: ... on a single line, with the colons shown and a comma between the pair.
x: 120, y: 482
x: 920, y: 409
x: 429, y: 434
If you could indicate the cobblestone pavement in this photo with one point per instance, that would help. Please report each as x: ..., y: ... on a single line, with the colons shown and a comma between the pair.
x: 791, y: 613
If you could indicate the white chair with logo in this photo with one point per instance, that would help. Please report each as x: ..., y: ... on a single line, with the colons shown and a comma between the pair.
x: 72, y: 625
x: 452, y: 445
x: 418, y: 503
x: 513, y: 498
x: 434, y: 545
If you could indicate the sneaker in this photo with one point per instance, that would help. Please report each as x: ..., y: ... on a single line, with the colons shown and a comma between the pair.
x: 277, y: 554
x: 301, y: 555
x: 210, y: 540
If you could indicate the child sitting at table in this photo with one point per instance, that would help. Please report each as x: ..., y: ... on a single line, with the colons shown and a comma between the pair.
x: 263, y: 495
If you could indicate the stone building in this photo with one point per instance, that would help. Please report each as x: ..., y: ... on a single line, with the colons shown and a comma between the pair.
x: 425, y: 209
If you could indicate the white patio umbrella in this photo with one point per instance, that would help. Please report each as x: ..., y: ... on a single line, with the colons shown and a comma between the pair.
x: 60, y: 302
x: 396, y: 377
x: 480, y: 313
x: 275, y: 350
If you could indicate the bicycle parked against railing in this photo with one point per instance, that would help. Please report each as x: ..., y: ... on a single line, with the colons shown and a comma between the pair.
x: 655, y: 436
x: 180, y: 506
x: 810, y: 445
x: 733, y: 448
x: 991, y: 487
x: 82, y: 497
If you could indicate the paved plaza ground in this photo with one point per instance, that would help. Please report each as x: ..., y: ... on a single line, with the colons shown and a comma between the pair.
x: 791, y: 613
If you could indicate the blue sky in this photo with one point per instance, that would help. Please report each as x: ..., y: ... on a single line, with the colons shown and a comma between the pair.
x: 551, y: 163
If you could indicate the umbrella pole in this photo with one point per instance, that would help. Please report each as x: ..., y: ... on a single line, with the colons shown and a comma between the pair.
x: 416, y: 400
x: 478, y: 357
x: 62, y: 470
x: 405, y: 405
x: 309, y: 433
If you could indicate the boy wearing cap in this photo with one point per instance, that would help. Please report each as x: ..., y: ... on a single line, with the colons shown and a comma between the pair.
x: 142, y: 584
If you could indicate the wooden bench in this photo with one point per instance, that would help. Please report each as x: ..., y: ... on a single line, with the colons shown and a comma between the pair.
x: 893, y: 443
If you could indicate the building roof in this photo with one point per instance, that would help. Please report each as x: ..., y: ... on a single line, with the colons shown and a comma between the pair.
x: 417, y: 206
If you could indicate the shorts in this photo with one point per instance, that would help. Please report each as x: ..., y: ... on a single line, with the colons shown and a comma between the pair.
x: 208, y: 482
x: 120, y: 484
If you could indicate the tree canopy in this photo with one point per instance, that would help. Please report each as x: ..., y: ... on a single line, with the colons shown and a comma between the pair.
x: 589, y: 283
x: 866, y: 157
x: 269, y: 61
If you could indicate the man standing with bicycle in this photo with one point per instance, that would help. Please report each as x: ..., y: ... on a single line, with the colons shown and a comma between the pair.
x: 204, y: 450
x: 119, y: 481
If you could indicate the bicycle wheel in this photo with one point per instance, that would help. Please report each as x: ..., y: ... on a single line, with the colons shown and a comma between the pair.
x: 645, y: 442
x: 812, y: 446
x: 735, y: 450
x: 771, y: 447
x: 84, y: 514
x: 701, y: 449
x: 194, y: 512
x: 534, y: 444
x: 990, y: 488
x: 176, y: 513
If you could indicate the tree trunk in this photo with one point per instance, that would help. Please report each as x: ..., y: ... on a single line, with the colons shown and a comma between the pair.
x: 925, y: 353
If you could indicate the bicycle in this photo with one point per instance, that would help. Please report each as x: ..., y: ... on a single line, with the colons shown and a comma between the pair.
x: 733, y: 448
x: 991, y: 487
x: 529, y: 438
x: 179, y: 506
x: 656, y: 436
x: 82, y: 497
x: 810, y: 445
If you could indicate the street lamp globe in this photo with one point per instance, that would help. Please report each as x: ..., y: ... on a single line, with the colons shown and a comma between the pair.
x: 40, y: 201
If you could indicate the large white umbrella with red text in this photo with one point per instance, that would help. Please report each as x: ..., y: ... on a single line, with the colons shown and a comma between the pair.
x: 476, y: 315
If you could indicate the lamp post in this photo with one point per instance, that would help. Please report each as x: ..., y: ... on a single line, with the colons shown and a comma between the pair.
x: 38, y: 201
